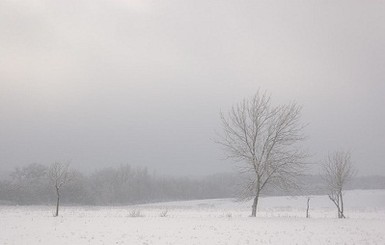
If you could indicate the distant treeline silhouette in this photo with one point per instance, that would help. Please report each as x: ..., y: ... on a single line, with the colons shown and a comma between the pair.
x: 29, y: 185
x: 110, y: 186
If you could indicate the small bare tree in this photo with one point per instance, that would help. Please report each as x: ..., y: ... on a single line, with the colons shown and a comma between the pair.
x: 59, y: 175
x: 338, y: 170
x: 263, y: 138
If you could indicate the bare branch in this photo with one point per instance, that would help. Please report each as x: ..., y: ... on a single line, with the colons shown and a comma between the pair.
x: 264, y: 139
x: 338, y: 170
x: 59, y: 175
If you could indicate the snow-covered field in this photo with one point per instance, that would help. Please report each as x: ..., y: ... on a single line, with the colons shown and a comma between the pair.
x: 221, y: 221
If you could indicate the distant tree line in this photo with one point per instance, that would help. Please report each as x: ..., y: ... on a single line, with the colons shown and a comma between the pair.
x: 31, y: 185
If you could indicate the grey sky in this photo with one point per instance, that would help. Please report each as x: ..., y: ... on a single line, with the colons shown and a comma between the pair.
x: 103, y: 83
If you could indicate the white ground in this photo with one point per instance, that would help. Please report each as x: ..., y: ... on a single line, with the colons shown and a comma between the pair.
x: 280, y: 221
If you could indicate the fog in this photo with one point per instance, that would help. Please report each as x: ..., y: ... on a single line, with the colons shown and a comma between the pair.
x: 104, y: 83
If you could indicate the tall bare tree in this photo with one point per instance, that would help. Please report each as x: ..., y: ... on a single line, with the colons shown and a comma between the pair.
x: 338, y: 170
x: 59, y: 175
x: 264, y: 139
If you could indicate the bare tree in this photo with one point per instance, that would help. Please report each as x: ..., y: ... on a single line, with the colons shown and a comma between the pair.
x: 338, y: 170
x: 263, y: 139
x: 59, y: 175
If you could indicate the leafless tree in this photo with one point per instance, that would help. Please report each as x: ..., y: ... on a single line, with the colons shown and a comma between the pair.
x: 59, y: 175
x: 338, y: 170
x: 264, y: 139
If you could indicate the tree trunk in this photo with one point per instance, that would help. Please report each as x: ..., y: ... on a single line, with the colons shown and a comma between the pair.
x: 341, y: 206
x: 336, y: 200
x: 254, y: 206
x: 57, y: 202
x: 307, y: 207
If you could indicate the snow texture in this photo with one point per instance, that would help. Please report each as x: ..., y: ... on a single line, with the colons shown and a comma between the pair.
x: 280, y: 220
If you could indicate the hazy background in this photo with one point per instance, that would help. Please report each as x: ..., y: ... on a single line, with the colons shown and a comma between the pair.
x: 104, y: 83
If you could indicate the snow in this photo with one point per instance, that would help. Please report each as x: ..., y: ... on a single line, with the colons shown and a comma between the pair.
x: 221, y: 221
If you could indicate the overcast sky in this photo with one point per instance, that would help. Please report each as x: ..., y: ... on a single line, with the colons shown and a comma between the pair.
x: 108, y: 82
